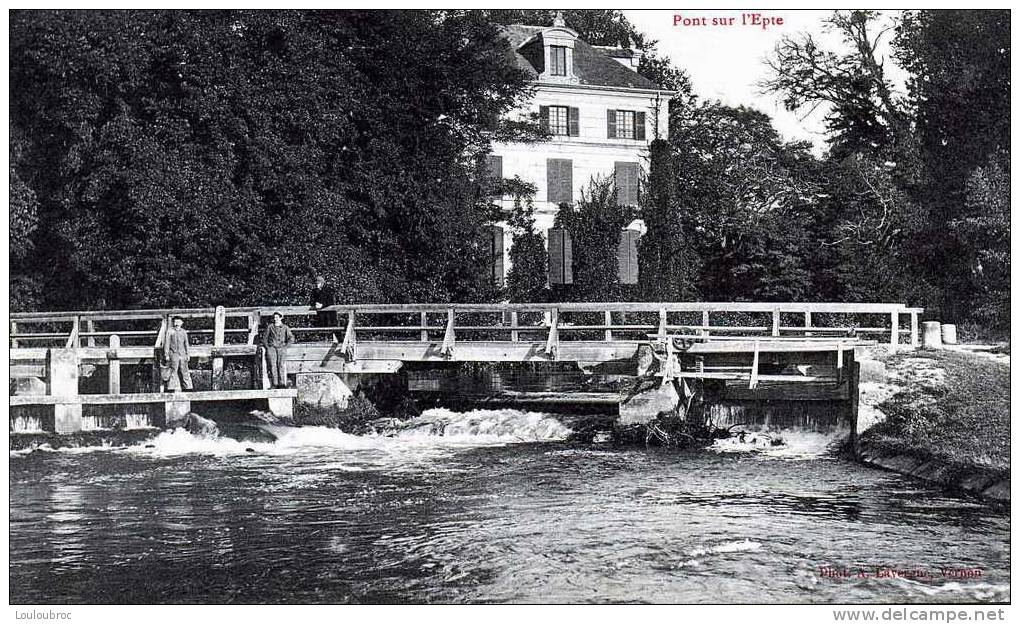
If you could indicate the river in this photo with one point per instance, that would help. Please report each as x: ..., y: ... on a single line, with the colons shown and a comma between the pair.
x: 498, y: 509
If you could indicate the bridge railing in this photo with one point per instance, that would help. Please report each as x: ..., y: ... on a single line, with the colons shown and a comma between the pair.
x: 513, y: 322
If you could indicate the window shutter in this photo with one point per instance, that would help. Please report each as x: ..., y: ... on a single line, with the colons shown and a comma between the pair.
x: 543, y: 116
x: 628, y: 271
x: 494, y: 167
x: 497, y: 255
x: 573, y: 122
x: 639, y: 126
x: 560, y: 257
x: 626, y: 178
x: 611, y: 124
x: 559, y: 180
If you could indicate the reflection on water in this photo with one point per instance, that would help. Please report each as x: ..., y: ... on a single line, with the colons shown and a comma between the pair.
x: 480, y: 516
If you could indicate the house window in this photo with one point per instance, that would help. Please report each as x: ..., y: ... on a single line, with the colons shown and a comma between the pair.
x: 558, y: 60
x: 560, y: 120
x: 560, y: 180
x: 624, y: 124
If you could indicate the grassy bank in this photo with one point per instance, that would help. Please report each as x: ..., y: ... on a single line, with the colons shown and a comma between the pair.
x: 951, y: 405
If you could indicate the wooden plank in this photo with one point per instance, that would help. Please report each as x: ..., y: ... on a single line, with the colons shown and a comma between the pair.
x: 768, y: 346
x: 913, y: 330
x: 424, y: 326
x: 552, y: 342
x: 156, y: 397
x: 748, y: 375
x: 824, y: 390
x: 775, y: 322
x: 24, y: 371
x: 893, y: 333
x: 754, y: 368
x: 219, y: 324
x: 254, y: 319
x: 807, y: 322
x: 262, y: 369
x: 349, y: 347
x: 72, y: 338
x: 514, y: 335
x: 478, y: 351
x: 450, y: 336
x: 90, y: 327
x: 839, y: 364
x: 340, y: 366
x: 114, y: 366
x: 161, y: 335
x: 661, y: 337
x: 724, y: 306
x: 24, y: 353
x: 609, y: 324
x: 14, y: 332
x: 705, y: 323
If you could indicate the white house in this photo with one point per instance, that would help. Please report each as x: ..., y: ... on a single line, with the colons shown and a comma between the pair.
x: 601, y: 114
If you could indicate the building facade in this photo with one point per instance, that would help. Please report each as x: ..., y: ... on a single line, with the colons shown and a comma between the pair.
x: 601, y: 115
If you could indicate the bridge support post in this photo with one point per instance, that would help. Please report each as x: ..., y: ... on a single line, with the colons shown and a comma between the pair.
x: 894, y: 331
x: 175, y: 412
x: 282, y: 407
x: 63, y: 383
x: 219, y: 330
x: 114, y: 371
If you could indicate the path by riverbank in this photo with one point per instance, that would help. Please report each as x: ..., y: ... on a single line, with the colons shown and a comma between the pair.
x: 942, y: 416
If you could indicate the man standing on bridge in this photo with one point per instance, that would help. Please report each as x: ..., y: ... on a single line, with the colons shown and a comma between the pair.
x: 322, y: 297
x: 177, y: 353
x: 276, y: 340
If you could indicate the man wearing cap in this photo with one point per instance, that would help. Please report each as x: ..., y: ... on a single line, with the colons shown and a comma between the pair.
x: 276, y: 340
x: 177, y: 354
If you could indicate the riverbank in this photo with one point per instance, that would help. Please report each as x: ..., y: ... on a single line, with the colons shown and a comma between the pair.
x: 943, y: 417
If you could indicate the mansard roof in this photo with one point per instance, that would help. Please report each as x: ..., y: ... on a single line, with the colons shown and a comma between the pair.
x: 592, y: 66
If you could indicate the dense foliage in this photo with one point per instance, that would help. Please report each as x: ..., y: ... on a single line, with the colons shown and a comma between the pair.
x: 207, y: 157
x: 184, y: 157
x: 595, y: 224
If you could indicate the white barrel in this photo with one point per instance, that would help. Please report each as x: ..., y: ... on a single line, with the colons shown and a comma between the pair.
x: 948, y: 334
x: 931, y: 335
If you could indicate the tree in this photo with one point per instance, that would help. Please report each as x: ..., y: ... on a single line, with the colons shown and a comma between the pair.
x: 745, y: 198
x: 983, y: 230
x: 668, y: 264
x: 207, y: 157
x: 959, y: 90
x: 594, y: 224
x: 863, y: 114
x: 529, y: 260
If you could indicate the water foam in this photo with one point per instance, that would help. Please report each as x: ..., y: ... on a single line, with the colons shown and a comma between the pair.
x: 433, y: 431
x: 485, y: 426
x: 794, y: 443
x: 727, y: 547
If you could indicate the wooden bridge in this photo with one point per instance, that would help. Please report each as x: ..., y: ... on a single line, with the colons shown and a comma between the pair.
x: 51, y: 351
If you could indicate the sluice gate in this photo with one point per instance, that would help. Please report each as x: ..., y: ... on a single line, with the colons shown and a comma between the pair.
x: 66, y: 367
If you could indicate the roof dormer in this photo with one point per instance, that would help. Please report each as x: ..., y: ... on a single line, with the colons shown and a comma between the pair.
x: 558, y: 44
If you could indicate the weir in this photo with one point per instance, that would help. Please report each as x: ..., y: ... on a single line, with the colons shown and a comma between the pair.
x: 100, y: 369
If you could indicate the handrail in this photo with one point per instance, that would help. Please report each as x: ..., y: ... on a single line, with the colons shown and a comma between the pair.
x: 392, y: 308
x: 555, y: 325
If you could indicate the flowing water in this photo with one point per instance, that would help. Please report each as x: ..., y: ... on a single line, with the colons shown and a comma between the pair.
x: 495, y: 509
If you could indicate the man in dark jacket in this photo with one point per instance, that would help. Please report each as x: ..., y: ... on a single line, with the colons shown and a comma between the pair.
x: 322, y: 297
x: 276, y: 340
